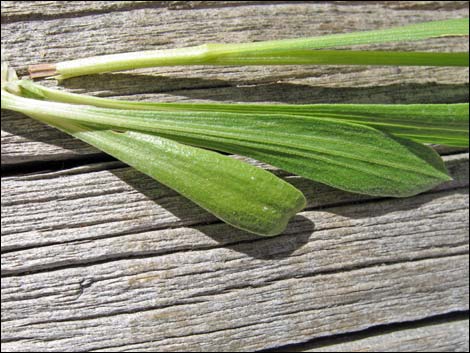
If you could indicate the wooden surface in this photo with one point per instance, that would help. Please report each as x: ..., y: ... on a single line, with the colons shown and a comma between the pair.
x: 445, y: 336
x: 98, y: 257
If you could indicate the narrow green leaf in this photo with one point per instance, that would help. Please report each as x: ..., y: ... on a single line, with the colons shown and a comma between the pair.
x: 242, y: 195
x: 354, y: 161
x: 279, y: 52
x: 413, y: 32
x: 341, y: 57
x: 348, y: 156
x: 446, y: 124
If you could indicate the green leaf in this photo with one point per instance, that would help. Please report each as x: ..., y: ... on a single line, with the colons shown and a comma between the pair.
x: 445, y: 124
x: 341, y: 57
x: 413, y: 32
x: 347, y: 156
x: 424, y: 152
x: 240, y: 194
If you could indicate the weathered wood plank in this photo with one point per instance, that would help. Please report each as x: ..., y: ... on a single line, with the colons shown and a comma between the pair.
x: 77, y: 37
x: 103, y: 258
x: 181, y: 302
x: 23, y: 8
x: 94, y: 284
x: 84, y: 205
x: 441, y: 337
x: 99, y: 33
x: 42, y: 10
x: 423, y: 224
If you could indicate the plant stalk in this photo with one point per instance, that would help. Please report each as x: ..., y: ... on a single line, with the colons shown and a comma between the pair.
x: 300, y: 51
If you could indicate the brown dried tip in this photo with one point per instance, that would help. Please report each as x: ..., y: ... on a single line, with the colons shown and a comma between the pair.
x: 42, y: 70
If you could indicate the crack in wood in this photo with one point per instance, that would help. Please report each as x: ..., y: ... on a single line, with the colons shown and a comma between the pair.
x: 379, y: 330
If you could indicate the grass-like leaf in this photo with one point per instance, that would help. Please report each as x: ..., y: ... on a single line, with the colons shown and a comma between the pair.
x: 445, y: 124
x: 347, y: 156
x: 280, y: 52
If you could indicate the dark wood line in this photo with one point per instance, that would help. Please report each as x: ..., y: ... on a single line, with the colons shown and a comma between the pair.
x: 169, y: 5
x: 119, y: 257
x: 33, y: 167
x: 371, y: 332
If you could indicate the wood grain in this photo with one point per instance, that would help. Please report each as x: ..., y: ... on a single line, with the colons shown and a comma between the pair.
x: 67, y: 206
x: 216, y: 271
x: 438, y: 337
x: 98, y: 257
x: 195, y: 307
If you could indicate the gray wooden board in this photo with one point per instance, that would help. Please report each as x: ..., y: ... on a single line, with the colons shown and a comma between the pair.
x: 439, y: 337
x: 220, y: 300
x: 92, y: 282
x: 100, y: 257
x: 42, y: 209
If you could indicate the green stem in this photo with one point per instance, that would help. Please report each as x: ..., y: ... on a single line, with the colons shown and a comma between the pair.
x: 281, y: 52
x: 214, y: 55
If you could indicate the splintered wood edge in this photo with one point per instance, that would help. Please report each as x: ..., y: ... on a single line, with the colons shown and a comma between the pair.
x: 42, y: 70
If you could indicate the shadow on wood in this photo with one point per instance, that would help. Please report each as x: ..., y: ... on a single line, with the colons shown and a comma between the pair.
x: 197, y: 88
x: 296, y: 234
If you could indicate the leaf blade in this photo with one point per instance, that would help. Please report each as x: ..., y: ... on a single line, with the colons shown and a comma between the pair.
x: 446, y: 124
x: 348, y: 156
x: 413, y: 32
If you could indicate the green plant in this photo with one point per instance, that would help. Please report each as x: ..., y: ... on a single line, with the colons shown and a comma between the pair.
x: 280, y: 52
x: 339, y: 153
x: 215, y: 182
x: 445, y: 124
x: 370, y: 149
